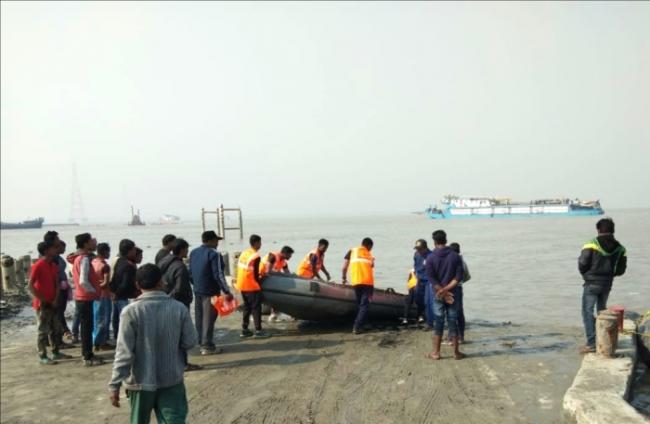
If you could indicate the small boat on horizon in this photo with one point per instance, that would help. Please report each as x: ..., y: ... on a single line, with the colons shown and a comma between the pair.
x: 315, y: 300
x: 135, y: 218
x: 28, y: 224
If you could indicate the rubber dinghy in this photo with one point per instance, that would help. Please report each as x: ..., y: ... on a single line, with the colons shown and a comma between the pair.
x: 315, y: 300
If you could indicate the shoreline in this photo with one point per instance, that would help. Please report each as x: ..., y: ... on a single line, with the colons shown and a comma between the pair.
x: 317, y: 373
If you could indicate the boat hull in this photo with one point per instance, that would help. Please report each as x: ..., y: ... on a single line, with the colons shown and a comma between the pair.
x: 36, y: 223
x: 315, y: 300
x: 512, y: 211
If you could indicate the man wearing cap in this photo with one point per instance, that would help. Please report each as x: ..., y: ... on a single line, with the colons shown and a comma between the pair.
x: 207, y: 277
x: 423, y: 292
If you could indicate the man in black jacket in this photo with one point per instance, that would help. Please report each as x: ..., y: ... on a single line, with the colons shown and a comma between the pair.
x: 176, y: 277
x: 167, y: 246
x: 176, y: 281
x: 601, y: 259
x: 122, y: 282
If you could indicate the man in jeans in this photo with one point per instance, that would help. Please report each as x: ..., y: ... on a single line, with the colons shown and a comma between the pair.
x: 444, y: 269
x: 601, y: 259
x: 103, y: 306
x: 87, y: 289
x: 155, y: 331
x: 206, y: 274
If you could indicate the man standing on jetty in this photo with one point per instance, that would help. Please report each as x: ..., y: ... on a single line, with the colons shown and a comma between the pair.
x: 444, y: 270
x: 362, y: 277
x: 206, y: 274
x: 155, y: 332
x: 601, y: 259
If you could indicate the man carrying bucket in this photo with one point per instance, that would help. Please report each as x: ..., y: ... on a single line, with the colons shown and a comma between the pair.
x: 601, y: 259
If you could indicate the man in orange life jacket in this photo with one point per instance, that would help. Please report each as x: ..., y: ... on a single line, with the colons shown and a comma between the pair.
x: 314, y: 262
x: 275, y: 262
x: 248, y: 283
x: 362, y: 278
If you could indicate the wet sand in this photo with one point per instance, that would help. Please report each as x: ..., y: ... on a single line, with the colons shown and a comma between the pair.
x: 314, y: 373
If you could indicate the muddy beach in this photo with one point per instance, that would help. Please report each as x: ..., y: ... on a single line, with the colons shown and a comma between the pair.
x: 314, y: 373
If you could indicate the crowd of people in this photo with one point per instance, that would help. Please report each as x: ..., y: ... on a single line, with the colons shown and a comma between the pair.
x: 148, y: 306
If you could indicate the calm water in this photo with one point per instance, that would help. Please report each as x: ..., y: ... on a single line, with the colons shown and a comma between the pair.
x: 523, y: 270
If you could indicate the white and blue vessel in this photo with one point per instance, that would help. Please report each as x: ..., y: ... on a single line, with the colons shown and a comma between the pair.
x: 492, y: 207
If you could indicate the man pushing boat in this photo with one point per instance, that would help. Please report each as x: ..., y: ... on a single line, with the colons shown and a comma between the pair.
x: 313, y: 263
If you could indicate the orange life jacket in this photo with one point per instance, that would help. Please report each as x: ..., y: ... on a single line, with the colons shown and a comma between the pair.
x: 246, y: 272
x: 362, y: 267
x: 304, y: 269
x: 278, y: 265
x: 413, y: 279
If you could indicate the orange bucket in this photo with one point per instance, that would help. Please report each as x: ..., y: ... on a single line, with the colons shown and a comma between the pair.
x: 620, y: 312
x: 225, y: 307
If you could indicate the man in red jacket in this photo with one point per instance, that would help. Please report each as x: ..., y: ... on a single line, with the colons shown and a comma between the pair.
x: 44, y: 287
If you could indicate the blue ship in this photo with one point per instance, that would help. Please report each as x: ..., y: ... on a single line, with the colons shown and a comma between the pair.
x: 492, y: 207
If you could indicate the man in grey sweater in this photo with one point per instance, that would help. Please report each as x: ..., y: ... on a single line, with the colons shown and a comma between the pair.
x: 155, y: 330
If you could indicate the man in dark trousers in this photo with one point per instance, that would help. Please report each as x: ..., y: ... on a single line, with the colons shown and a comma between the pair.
x: 167, y: 246
x: 361, y: 264
x: 601, y: 259
x: 444, y: 269
x: 176, y: 281
x: 206, y: 274
x: 122, y: 283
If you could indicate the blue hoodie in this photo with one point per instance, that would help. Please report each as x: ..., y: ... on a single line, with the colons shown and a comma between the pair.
x: 444, y: 265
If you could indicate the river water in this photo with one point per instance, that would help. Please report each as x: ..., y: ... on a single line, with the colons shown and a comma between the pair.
x: 524, y: 270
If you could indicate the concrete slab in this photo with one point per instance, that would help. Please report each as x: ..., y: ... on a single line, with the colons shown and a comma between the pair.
x: 601, y: 387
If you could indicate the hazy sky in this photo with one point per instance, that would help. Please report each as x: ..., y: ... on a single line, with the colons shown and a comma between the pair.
x: 330, y: 108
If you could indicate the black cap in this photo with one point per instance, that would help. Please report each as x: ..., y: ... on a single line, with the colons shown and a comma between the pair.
x: 210, y: 235
x: 421, y: 243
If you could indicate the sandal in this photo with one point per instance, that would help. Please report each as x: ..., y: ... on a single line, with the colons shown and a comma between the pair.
x: 460, y: 355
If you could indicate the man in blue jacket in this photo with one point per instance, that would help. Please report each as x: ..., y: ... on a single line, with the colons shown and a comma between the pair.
x: 445, y: 270
x: 208, y: 279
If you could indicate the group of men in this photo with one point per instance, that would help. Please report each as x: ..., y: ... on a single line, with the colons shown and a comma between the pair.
x: 99, y: 291
x: 151, y: 303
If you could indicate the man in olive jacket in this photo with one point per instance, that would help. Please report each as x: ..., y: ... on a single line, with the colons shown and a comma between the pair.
x: 601, y: 259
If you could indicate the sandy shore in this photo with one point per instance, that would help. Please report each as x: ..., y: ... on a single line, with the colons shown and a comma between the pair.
x: 309, y: 373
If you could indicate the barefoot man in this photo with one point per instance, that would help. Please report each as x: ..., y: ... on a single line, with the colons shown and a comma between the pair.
x: 444, y: 269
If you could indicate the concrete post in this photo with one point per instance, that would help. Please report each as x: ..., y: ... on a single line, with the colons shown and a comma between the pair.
x: 27, y: 265
x: 606, y: 333
x: 20, y: 271
x: 8, y: 273
x: 233, y: 266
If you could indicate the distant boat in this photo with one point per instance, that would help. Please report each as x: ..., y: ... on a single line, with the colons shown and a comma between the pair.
x: 169, y: 219
x: 135, y: 218
x: 492, y: 207
x: 34, y: 223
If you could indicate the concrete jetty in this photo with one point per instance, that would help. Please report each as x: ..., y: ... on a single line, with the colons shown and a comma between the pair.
x: 602, y: 386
